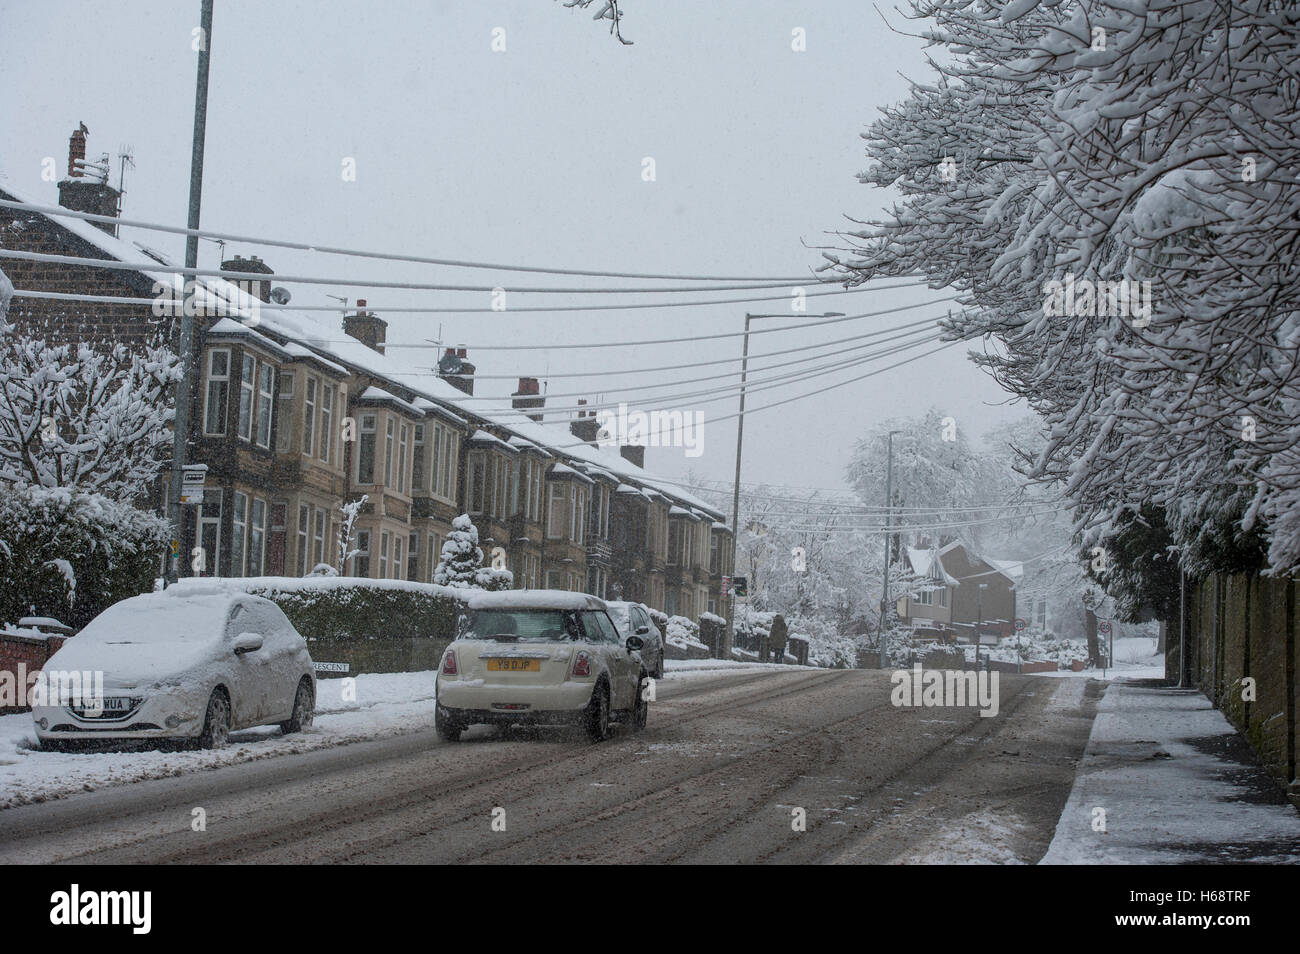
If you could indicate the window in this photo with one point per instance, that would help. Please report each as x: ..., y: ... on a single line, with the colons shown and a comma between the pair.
x: 713, y: 554
x: 417, y: 460
x: 304, y: 526
x: 403, y: 439
x: 477, y: 477
x: 713, y: 608
x: 448, y: 465
x: 238, y: 530
x: 265, y: 394
x: 286, y: 384
x: 943, y: 596
x: 215, y: 408
x: 413, y: 557
x: 924, y: 598
x: 210, y: 529
x: 555, y: 516
x: 383, y: 555
x: 573, y: 512
x: 246, y: 398
x: 397, y: 557
x: 326, y: 422
x: 435, y: 554
x: 318, y: 543
x: 366, y: 450
x: 597, y: 495
x: 361, y: 562
x: 309, y: 418
x: 674, y: 541
x: 554, y: 579
x: 388, y: 452
x: 256, y: 537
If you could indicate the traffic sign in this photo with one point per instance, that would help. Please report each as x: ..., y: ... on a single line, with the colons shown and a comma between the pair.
x: 741, y: 585
x: 1104, y: 627
x: 192, y: 479
x: 1021, y: 624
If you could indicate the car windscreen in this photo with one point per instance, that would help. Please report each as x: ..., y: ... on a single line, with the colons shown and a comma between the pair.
x: 521, y: 625
x: 622, y: 616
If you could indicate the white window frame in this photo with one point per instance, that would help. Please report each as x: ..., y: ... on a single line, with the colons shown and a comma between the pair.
x: 223, y: 382
x: 328, y: 392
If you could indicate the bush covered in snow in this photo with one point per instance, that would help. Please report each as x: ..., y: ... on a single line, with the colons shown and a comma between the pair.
x: 461, y: 561
x: 73, y: 553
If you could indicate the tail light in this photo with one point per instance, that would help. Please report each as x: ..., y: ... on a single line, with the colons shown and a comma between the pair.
x: 449, y: 663
x: 582, y: 664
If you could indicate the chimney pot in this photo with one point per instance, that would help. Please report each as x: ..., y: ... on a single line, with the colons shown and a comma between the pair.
x: 462, y: 352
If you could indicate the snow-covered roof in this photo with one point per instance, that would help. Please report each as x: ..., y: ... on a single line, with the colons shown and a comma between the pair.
x: 562, y: 470
x: 485, y: 437
x: 529, y: 446
x: 379, y: 394
x: 1012, y: 569
x: 324, y: 340
x: 433, y: 407
x: 295, y: 350
x: 532, y: 599
x: 228, y: 327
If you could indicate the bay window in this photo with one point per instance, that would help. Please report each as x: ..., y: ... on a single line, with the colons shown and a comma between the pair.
x: 218, y: 392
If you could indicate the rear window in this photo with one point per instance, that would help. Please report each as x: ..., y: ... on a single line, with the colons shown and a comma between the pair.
x: 524, y: 626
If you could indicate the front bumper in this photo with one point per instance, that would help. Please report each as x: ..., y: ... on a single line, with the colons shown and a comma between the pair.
x: 160, y: 716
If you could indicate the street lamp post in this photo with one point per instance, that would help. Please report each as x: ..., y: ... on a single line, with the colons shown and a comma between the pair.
x: 979, y: 597
x: 735, y: 490
x: 889, y: 523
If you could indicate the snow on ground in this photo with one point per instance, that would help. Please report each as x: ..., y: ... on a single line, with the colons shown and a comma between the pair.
x: 1177, y: 784
x: 981, y: 838
x: 386, y: 704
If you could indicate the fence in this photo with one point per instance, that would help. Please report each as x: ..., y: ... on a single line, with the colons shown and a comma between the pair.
x: 1239, y: 631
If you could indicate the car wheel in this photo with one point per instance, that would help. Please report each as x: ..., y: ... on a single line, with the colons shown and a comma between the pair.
x: 216, y: 724
x: 304, y: 710
x: 448, y: 731
x: 598, y: 714
x: 642, y: 709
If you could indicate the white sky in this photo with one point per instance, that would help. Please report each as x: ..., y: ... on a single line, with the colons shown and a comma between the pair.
x: 532, y: 156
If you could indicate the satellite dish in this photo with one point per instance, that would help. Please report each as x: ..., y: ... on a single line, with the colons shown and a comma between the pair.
x: 449, y: 364
x: 280, y: 295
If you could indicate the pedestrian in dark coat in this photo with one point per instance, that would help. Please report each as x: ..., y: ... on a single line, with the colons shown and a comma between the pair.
x: 777, y: 638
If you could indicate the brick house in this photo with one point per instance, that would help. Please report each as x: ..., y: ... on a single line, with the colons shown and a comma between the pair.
x: 293, y: 421
x: 947, y: 602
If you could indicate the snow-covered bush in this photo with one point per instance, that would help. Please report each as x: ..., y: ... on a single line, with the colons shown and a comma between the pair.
x: 461, y: 562
x: 682, y: 633
x: 71, y: 553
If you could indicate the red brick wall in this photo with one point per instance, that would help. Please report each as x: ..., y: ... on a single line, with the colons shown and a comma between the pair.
x: 32, y: 653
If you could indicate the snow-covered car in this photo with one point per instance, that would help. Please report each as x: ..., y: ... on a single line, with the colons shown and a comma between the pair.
x: 183, y: 664
x: 633, y: 619
x: 539, y: 657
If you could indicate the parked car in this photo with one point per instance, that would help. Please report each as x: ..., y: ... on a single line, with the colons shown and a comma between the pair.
x: 539, y: 657
x: 183, y: 664
x: 633, y: 619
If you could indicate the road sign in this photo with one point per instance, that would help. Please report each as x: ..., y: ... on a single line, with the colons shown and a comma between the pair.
x: 1104, y: 627
x: 726, y: 585
x: 1021, y: 624
x: 331, y: 666
x: 192, y: 479
x: 741, y: 584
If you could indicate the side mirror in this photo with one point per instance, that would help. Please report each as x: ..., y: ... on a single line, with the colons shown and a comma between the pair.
x: 634, y: 643
x: 247, y: 643
x: 642, y: 630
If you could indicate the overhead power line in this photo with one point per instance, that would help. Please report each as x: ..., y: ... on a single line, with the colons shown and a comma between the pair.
x: 386, y: 256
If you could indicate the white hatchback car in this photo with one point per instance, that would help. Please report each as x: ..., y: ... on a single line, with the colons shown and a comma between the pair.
x: 547, y: 657
x: 186, y: 663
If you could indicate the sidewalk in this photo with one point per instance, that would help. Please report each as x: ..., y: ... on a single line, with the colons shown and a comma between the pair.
x: 1177, y: 784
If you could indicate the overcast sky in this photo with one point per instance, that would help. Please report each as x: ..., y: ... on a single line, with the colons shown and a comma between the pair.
x: 529, y: 156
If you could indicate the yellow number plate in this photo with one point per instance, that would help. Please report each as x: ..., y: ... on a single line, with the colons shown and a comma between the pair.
x: 514, y: 665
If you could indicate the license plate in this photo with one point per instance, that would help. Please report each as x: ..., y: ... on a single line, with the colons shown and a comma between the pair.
x: 514, y: 665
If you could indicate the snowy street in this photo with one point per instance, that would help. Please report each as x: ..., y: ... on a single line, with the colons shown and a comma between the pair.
x: 729, y: 755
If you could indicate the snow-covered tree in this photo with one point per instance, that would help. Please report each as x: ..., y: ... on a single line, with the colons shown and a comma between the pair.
x: 72, y: 415
x: 461, y: 561
x: 1151, y: 145
x: 607, y: 10
x: 348, y: 512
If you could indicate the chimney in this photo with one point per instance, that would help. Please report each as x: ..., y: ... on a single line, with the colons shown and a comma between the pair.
x: 86, y: 188
x: 256, y: 288
x: 455, y: 368
x: 585, y: 427
x: 633, y: 453
x: 528, y: 396
x: 366, y: 327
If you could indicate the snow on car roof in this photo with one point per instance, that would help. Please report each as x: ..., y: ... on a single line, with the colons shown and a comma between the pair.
x: 534, y: 599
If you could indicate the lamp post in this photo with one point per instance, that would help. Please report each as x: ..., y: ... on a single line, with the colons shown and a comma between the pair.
x: 980, y: 625
x: 185, y: 387
x: 740, y: 437
x: 889, y: 522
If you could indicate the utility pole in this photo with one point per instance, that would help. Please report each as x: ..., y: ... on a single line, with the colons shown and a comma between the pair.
x: 979, y: 596
x: 185, y: 389
x: 735, y: 490
x: 889, y: 522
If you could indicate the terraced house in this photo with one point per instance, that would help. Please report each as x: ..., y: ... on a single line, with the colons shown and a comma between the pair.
x: 295, y: 418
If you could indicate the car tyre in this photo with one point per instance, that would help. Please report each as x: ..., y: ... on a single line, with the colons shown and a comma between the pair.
x: 216, y: 723
x: 597, y: 719
x: 641, y: 711
x: 304, y: 710
x: 448, y: 731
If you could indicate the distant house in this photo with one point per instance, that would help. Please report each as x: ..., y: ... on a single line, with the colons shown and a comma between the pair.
x: 955, y: 591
